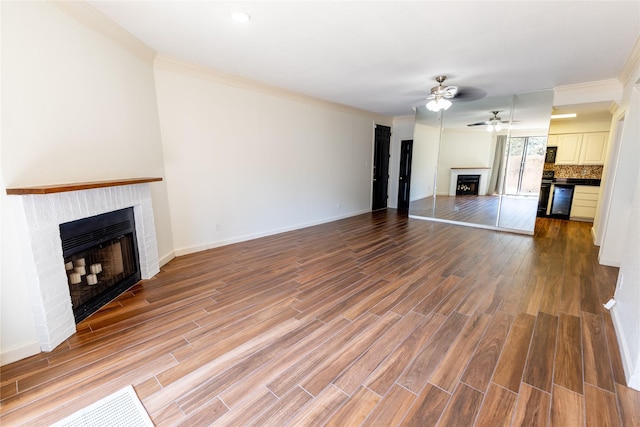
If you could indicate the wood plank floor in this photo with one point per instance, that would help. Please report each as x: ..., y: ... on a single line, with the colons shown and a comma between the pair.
x: 375, y: 320
x: 516, y: 212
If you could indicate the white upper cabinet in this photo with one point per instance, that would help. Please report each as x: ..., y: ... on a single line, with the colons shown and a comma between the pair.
x: 581, y: 148
x: 568, y: 149
x: 594, y: 148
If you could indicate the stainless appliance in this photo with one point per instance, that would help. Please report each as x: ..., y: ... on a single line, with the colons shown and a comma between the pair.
x: 545, y: 192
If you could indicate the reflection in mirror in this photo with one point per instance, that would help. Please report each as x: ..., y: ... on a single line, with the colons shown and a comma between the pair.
x: 466, y: 172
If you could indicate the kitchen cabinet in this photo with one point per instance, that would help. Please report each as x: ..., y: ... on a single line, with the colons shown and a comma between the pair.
x: 585, y: 202
x: 594, y: 148
x: 580, y: 148
x: 568, y: 149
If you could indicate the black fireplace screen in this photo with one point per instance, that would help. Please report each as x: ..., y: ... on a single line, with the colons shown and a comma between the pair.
x: 100, y: 258
x: 467, y: 185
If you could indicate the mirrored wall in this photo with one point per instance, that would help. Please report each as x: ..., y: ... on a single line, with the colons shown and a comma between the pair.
x: 465, y: 172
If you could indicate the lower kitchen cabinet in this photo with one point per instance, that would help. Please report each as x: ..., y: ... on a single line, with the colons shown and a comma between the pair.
x: 585, y: 202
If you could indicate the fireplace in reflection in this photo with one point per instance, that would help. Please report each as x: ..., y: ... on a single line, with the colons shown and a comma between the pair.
x: 467, y: 185
x: 101, y: 259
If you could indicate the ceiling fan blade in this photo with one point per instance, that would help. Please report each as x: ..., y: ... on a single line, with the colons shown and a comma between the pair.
x: 478, y: 124
x: 450, y: 92
x: 469, y: 94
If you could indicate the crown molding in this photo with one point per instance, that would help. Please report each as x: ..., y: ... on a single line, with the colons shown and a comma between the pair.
x: 632, y: 63
x: 407, y: 118
x: 168, y: 63
x: 90, y: 17
x: 613, y: 108
x: 582, y: 93
x: 597, y: 86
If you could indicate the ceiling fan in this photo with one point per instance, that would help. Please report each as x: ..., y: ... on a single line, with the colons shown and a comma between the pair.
x: 494, y: 122
x: 440, y: 95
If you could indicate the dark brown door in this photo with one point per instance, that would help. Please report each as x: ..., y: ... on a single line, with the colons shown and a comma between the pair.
x: 382, y: 142
x: 404, y: 180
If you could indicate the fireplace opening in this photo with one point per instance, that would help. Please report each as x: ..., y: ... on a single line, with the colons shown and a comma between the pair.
x: 467, y: 185
x: 100, y: 259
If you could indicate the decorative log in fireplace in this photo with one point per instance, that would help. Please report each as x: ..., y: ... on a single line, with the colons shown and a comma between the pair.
x: 101, y: 259
x: 467, y: 185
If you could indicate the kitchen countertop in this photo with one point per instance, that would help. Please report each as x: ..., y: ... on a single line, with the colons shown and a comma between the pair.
x: 577, y: 181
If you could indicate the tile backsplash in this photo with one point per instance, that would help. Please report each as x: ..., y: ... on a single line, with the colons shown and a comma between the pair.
x: 575, y: 171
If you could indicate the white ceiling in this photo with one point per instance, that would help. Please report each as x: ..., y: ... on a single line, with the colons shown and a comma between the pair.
x: 383, y: 56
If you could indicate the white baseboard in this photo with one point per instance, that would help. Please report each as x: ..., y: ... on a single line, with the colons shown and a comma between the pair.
x: 246, y: 237
x: 166, y: 258
x: 191, y: 249
x: 18, y: 352
x: 609, y: 262
x: 634, y: 382
x: 633, y: 379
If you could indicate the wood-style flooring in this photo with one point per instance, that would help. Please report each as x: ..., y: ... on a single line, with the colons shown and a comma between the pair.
x: 376, y: 320
x: 516, y: 212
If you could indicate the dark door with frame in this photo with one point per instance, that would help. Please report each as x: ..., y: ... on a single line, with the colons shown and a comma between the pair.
x: 381, y: 154
x: 404, y: 178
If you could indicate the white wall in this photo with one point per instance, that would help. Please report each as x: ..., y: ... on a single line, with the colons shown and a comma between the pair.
x: 243, y: 163
x: 462, y: 149
x: 402, y: 130
x: 424, y: 161
x: 18, y: 338
x: 616, y: 225
x: 76, y: 106
x: 621, y: 240
x: 625, y: 312
x: 624, y: 175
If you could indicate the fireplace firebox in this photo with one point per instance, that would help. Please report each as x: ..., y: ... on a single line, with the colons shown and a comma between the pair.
x: 467, y: 185
x: 101, y: 259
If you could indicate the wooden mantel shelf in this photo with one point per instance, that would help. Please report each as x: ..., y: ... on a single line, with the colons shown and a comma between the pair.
x: 61, y: 188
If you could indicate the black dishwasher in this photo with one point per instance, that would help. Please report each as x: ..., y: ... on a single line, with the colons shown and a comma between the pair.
x: 561, y: 202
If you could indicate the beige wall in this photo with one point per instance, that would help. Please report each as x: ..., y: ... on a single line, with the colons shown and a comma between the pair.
x: 467, y: 149
x: 244, y: 160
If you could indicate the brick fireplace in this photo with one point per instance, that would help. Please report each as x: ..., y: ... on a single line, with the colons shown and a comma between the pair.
x: 39, y: 211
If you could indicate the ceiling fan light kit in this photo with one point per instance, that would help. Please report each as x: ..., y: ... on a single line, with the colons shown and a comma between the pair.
x: 440, y: 95
x: 494, y: 127
x: 494, y: 123
x: 439, y: 104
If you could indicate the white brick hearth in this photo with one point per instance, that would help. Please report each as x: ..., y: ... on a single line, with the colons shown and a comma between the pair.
x: 38, y: 217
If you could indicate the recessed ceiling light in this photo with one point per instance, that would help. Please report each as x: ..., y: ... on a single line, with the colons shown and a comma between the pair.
x: 240, y: 16
x: 564, y: 116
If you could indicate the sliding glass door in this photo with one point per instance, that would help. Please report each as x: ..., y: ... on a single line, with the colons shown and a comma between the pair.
x: 525, y: 161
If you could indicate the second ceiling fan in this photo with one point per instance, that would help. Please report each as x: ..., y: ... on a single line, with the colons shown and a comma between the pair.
x: 493, y: 124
